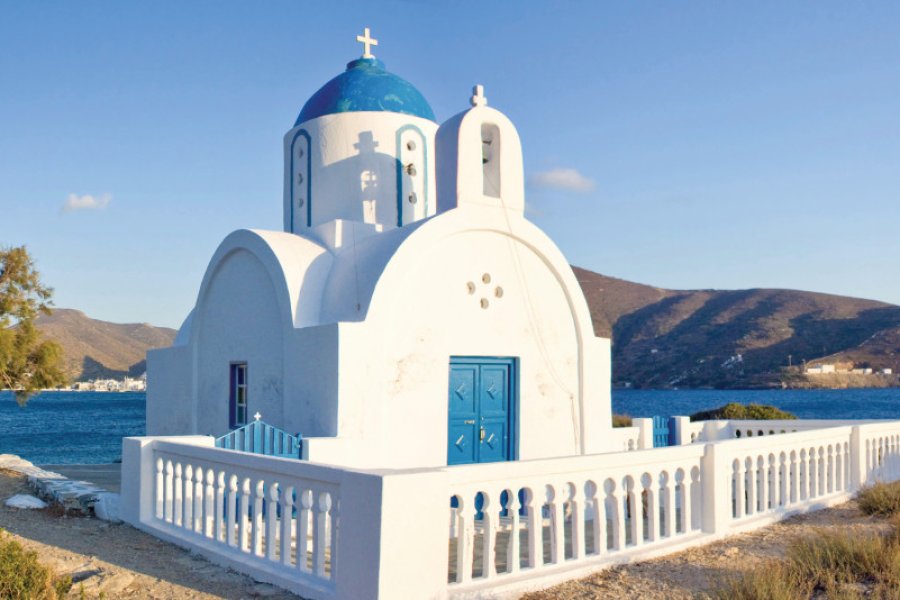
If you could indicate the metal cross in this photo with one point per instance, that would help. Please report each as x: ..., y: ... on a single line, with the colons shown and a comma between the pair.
x: 367, y: 41
x: 257, y: 416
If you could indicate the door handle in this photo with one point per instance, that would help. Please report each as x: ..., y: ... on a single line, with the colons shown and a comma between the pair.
x: 481, y: 438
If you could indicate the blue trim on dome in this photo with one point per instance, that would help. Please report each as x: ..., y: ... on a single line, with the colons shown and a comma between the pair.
x: 366, y: 86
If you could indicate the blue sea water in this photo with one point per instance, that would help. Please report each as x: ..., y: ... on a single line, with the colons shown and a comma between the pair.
x: 88, y: 427
x: 70, y: 427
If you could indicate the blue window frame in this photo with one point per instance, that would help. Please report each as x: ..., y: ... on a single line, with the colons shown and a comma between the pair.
x: 237, y: 401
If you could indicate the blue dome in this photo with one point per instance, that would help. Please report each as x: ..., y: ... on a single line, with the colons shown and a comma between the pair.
x: 366, y: 86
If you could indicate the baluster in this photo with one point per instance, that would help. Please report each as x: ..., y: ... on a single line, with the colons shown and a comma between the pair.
x: 186, y: 499
x: 198, y: 501
x: 762, y: 480
x: 738, y: 478
x: 303, y: 515
x: 668, y: 505
x: 557, y: 525
x: 635, y: 511
x: 868, y: 474
x: 232, y: 509
x: 159, y: 490
x: 794, y: 478
x: 488, y: 543
x: 695, y: 496
x: 319, y: 537
x: 535, y: 530
x: 272, y: 522
x: 598, y: 524
x: 652, y: 511
x: 244, y: 516
x: 257, y: 516
x: 287, y: 524
x: 221, y: 518
x: 577, y: 519
x: 820, y: 471
x: 846, y: 465
x: 829, y: 464
x: 838, y: 468
x: 772, y: 475
x: 334, y: 522
x: 462, y: 542
x: 616, y: 513
x: 170, y: 501
x: 684, y: 499
x: 782, y: 480
x: 209, y: 504
x: 804, y: 476
x: 813, y: 474
x: 512, y: 548
x: 749, y: 486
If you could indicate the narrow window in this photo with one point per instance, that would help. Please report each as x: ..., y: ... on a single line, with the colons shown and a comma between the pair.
x: 238, y: 396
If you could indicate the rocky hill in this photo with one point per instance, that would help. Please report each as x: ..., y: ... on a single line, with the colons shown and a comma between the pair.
x: 739, y: 338
x: 95, y: 348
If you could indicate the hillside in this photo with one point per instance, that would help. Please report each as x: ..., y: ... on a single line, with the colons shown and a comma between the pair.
x: 740, y: 338
x: 95, y: 348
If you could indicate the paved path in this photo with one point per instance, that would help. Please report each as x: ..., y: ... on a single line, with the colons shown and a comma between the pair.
x: 108, y: 476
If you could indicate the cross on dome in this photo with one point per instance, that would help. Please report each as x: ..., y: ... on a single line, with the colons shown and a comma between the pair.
x: 367, y: 41
x: 478, y: 98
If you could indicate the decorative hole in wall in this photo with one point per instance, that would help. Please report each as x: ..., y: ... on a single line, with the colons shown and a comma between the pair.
x: 484, y: 300
x: 299, y: 178
x: 300, y: 202
x: 410, y: 145
x: 411, y: 169
x: 413, y: 198
x: 300, y: 152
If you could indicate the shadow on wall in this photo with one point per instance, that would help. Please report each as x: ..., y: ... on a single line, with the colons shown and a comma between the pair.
x: 366, y: 181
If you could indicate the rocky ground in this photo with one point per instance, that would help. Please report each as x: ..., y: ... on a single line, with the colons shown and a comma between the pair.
x: 118, y: 561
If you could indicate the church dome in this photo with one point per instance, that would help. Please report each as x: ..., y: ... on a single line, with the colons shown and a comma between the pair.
x: 366, y: 86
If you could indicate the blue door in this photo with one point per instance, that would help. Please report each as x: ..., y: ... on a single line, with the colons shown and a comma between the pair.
x: 482, y: 403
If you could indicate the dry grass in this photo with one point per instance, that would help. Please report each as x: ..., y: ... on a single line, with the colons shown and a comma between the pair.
x: 881, y: 499
x: 621, y: 421
x: 837, y: 565
x: 22, y: 577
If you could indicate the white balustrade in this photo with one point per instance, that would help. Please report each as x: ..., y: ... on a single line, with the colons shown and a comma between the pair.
x: 512, y: 525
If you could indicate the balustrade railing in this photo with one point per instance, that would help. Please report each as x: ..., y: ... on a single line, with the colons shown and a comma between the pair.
x: 329, y: 533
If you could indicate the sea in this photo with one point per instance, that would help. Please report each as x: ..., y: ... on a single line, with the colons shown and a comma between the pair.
x: 88, y: 427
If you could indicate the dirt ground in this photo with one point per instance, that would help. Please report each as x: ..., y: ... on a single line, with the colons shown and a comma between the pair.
x: 695, y: 572
x: 122, y: 562
x: 118, y: 560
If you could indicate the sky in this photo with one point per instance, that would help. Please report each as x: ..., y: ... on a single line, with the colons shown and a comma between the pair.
x: 683, y: 145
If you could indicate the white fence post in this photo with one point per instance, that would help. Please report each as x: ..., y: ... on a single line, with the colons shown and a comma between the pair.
x: 858, y: 475
x: 645, y: 437
x: 138, y: 473
x: 392, y: 541
x: 715, y: 484
x: 681, y: 435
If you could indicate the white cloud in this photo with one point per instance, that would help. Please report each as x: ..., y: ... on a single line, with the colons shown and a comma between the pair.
x: 562, y: 179
x: 86, y: 202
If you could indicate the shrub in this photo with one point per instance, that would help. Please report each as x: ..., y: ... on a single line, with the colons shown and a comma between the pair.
x: 772, y: 582
x: 881, y: 499
x: 621, y: 421
x: 22, y: 577
x: 743, y: 412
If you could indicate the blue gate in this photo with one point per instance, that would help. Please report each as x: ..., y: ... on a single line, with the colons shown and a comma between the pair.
x: 661, y: 434
x: 258, y: 437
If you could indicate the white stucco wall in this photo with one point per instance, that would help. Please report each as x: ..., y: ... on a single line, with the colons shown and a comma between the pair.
x: 170, y: 373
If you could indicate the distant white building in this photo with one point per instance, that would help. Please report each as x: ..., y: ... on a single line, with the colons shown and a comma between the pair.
x: 820, y: 369
x: 887, y: 371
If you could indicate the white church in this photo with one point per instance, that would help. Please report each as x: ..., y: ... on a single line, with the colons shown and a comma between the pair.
x: 435, y: 353
x: 409, y: 315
